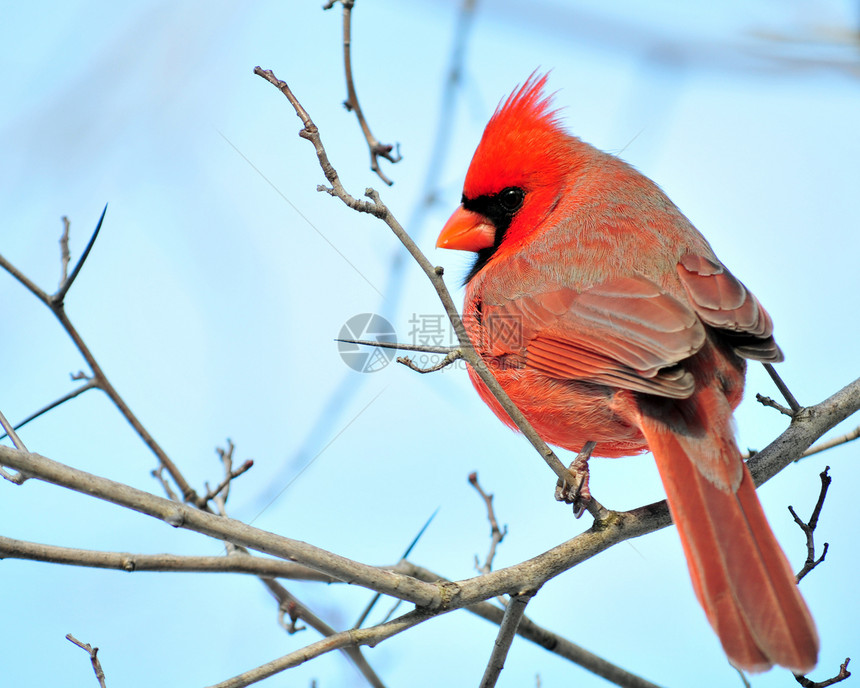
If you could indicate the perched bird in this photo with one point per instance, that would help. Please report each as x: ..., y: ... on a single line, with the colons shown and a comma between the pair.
x: 610, y: 322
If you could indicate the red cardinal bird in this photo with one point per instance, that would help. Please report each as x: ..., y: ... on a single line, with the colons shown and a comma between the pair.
x: 607, y: 318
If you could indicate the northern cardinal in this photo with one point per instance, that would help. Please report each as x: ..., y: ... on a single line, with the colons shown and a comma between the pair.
x: 607, y: 318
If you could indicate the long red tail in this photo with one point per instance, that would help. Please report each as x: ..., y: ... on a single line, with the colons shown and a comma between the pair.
x: 739, y: 572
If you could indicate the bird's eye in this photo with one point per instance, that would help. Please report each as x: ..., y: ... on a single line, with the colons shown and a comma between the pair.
x: 511, y: 198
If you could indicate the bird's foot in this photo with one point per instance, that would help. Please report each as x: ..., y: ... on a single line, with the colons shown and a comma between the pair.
x: 575, y: 490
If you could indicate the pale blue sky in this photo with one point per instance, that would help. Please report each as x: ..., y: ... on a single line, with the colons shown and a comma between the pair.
x: 212, y: 304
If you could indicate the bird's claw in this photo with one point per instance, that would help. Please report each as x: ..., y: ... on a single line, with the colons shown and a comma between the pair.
x: 575, y: 490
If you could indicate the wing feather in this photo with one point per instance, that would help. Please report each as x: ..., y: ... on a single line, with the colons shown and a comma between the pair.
x: 724, y: 303
x: 626, y: 333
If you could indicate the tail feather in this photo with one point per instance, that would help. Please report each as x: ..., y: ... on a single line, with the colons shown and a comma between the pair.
x: 740, y: 575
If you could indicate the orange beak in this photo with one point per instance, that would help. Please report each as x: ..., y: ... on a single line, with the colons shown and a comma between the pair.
x: 467, y: 231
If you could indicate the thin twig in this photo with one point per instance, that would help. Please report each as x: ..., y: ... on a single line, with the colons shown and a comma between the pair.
x: 835, y: 442
x: 226, y: 456
x: 820, y: 447
x: 444, y: 363
x: 377, y: 149
x: 783, y: 388
x: 402, y: 347
x: 55, y: 303
x: 406, y: 553
x: 743, y: 677
x: 811, y: 423
x: 808, y: 528
x: 90, y: 384
x: 377, y: 208
x: 841, y: 676
x: 290, y: 606
x: 549, y: 641
x: 67, y: 282
x: 514, y: 612
x: 94, y: 660
x: 65, y: 254
x: 496, y: 534
x: 354, y: 637
x: 225, y: 484
x: 262, y: 566
x: 24, y: 280
x: 531, y: 574
x: 18, y: 477
x: 767, y: 401
x: 97, y: 379
x: 158, y: 474
x: 181, y: 515
x: 237, y: 562
x: 10, y: 431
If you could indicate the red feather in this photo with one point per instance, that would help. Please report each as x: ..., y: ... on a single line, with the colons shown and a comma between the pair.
x: 607, y: 317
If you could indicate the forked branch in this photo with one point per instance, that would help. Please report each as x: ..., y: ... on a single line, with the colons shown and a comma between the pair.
x: 377, y: 149
x: 93, y: 652
x: 809, y: 526
x: 377, y: 208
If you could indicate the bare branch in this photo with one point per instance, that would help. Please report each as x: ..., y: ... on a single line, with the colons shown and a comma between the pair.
x: 783, y: 388
x: 619, y: 526
x: 225, y: 484
x: 223, y: 491
x: 444, y: 363
x: 841, y: 676
x: 808, y: 528
x: 743, y: 677
x: 551, y: 642
x: 262, y: 566
x: 835, y: 442
x: 90, y: 384
x: 236, y: 562
x: 377, y: 149
x: 183, y: 516
x: 15, y: 478
x: 65, y: 255
x: 406, y: 553
x: 615, y: 527
x: 496, y: 533
x: 98, y: 379
x: 402, y: 347
x: 103, y: 383
x: 377, y: 208
x: 66, y: 284
x: 806, y: 426
x: 810, y: 423
x: 354, y: 637
x: 289, y: 605
x: 19, y: 477
x: 514, y: 612
x: 10, y: 431
x: 158, y: 474
x: 767, y: 401
x: 55, y: 302
x: 93, y: 653
x: 24, y: 280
